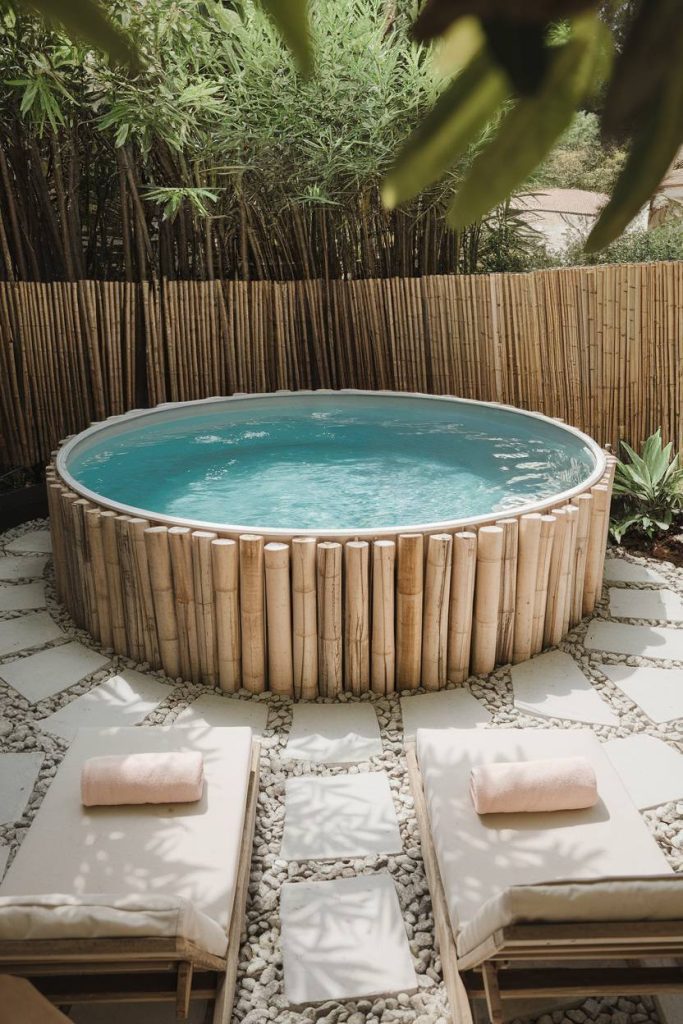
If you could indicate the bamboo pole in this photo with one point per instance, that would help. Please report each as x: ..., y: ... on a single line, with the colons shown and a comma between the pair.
x: 161, y: 580
x: 330, y: 618
x: 437, y: 590
x: 304, y: 618
x: 225, y: 564
x: 143, y: 590
x: 114, y: 585
x: 124, y: 541
x: 545, y: 554
x: 279, y: 619
x: 88, y: 606
x: 569, y: 566
x: 205, y: 605
x: 180, y: 546
x: 383, y: 658
x: 557, y: 580
x: 584, y: 503
x: 595, y: 554
x: 252, y: 613
x: 508, y: 589
x: 356, y: 617
x: 409, y: 598
x: 527, y: 576
x: 464, y: 567
x: 487, y: 588
x: 93, y: 526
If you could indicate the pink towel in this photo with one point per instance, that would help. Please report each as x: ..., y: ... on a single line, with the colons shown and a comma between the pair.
x: 156, y: 778
x: 555, y: 784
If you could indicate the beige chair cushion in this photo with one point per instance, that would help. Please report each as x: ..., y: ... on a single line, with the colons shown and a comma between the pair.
x: 183, y: 851
x: 21, y: 1003
x: 58, y: 916
x: 480, y: 857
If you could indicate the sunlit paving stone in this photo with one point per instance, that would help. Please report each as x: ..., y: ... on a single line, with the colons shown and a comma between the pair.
x: 552, y: 685
x: 124, y: 699
x: 339, y: 816
x: 635, y: 641
x: 333, y: 733
x: 22, y: 597
x: 18, y: 774
x: 651, y: 770
x: 663, y: 605
x: 657, y: 691
x: 36, y: 540
x: 46, y: 673
x: 617, y: 570
x: 32, y: 630
x: 22, y: 567
x: 212, y: 709
x: 449, y: 709
x: 344, y: 939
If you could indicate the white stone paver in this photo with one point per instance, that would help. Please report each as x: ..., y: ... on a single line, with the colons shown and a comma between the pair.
x: 4, y: 857
x: 22, y: 597
x: 448, y: 709
x: 628, y: 603
x: 552, y: 685
x: 339, y: 816
x: 46, y: 673
x: 618, y: 570
x: 124, y: 699
x: 212, y: 709
x: 635, y: 641
x: 344, y: 939
x: 21, y: 567
x: 36, y: 540
x: 658, y: 691
x: 18, y: 774
x: 651, y: 770
x: 33, y: 630
x: 333, y: 733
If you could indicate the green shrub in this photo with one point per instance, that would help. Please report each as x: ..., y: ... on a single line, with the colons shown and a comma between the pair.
x: 648, y: 490
x: 661, y: 243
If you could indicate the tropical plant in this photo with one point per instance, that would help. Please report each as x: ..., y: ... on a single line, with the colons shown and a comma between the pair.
x: 664, y: 242
x: 648, y: 489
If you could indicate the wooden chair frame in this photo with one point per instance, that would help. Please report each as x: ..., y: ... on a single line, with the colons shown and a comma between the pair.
x: 543, y: 961
x: 123, y: 970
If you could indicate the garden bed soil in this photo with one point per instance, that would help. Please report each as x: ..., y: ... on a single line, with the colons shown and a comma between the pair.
x: 667, y: 548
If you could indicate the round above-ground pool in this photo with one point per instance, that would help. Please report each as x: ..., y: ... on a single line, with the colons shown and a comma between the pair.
x: 313, y: 542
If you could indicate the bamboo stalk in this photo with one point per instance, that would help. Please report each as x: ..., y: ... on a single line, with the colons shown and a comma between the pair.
x: 383, y: 658
x: 527, y: 576
x: 180, y: 546
x: 225, y: 558
x: 279, y: 619
x: 357, y: 617
x: 330, y: 644
x: 409, y: 597
x: 584, y: 503
x: 252, y: 613
x: 508, y: 590
x: 435, y: 619
x: 114, y: 583
x: 93, y: 526
x: 161, y: 580
x: 304, y: 618
x: 595, y: 554
x: 461, y: 605
x: 557, y: 580
x: 205, y: 605
x: 487, y: 588
x: 545, y: 554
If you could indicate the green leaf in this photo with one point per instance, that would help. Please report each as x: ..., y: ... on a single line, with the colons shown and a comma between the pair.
x: 291, y: 20
x: 655, y: 147
x: 87, y: 20
x: 460, y: 113
x: 531, y: 128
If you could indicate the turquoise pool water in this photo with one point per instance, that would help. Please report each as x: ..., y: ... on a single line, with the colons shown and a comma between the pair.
x: 330, y: 461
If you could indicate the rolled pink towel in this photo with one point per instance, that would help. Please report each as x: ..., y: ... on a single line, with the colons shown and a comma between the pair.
x: 174, y: 777
x: 555, y: 784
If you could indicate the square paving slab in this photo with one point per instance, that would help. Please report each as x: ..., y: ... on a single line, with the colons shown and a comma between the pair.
x: 344, y: 939
x: 41, y: 675
x: 22, y: 597
x: 663, y: 604
x: 31, y: 630
x: 124, y: 699
x: 637, y: 641
x: 18, y: 774
x: 213, y: 709
x: 658, y: 691
x: 449, y: 709
x: 333, y: 733
x: 552, y: 685
x: 617, y: 570
x: 20, y: 567
x: 37, y: 540
x: 651, y: 770
x: 339, y: 816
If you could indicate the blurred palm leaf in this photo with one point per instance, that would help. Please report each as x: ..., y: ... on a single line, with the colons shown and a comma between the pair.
x: 437, y: 15
x: 87, y: 20
x: 291, y: 19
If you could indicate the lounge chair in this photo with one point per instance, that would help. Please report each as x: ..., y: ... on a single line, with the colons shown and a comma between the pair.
x: 534, y: 906
x: 138, y: 903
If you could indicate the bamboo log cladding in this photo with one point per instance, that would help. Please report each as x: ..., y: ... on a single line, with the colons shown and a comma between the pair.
x: 143, y: 590
x: 357, y: 616
x: 329, y: 558
x: 304, y: 618
x: 598, y: 526
x: 383, y: 656
x: 279, y: 619
x: 161, y: 579
x: 437, y: 588
x: 180, y: 545
x: 252, y: 613
x: 508, y: 591
x: 584, y: 503
x: 205, y: 605
x: 527, y: 575
x: 93, y: 529
x: 409, y: 599
x: 487, y: 589
x: 545, y: 555
x: 557, y: 580
x: 464, y: 567
x: 225, y: 561
x: 114, y: 584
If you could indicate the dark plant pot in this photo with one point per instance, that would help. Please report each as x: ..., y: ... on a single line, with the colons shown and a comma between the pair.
x: 21, y: 505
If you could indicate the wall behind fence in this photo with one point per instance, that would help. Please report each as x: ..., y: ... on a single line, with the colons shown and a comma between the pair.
x: 600, y: 347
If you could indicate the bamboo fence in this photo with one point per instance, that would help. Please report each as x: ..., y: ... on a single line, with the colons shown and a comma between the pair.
x: 597, y: 346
